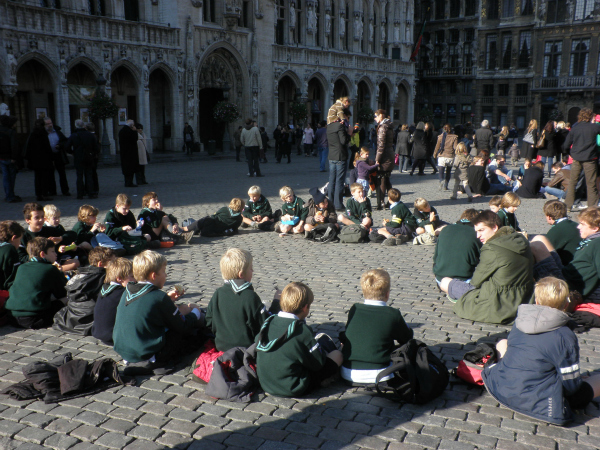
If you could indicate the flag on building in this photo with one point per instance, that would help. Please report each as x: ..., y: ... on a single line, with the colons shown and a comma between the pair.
x: 417, y: 46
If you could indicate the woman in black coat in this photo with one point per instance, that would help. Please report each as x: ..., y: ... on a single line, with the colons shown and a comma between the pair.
x: 550, y: 149
x: 39, y: 158
x: 432, y: 137
x: 419, y: 151
x: 403, y: 148
x: 560, y: 138
x: 384, y: 156
x: 528, y: 149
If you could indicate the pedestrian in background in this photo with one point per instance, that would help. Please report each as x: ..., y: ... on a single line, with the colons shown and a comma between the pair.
x: 128, y: 150
x: 322, y: 145
x: 59, y: 157
x: 9, y: 157
x: 188, y: 138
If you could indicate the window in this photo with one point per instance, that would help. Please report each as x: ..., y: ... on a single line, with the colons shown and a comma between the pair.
x: 454, y: 8
x: 584, y: 9
x: 280, y: 23
x: 470, y: 7
x: 396, y: 53
x: 453, y: 49
x: 209, y: 10
x: 439, y: 49
x: 580, y: 49
x: 132, y: 11
x: 492, y: 12
x: 521, y: 89
x: 491, y: 52
x: 506, y: 50
x: 298, y: 29
x: 527, y: 6
x: 524, y: 49
x: 347, y: 26
x: 467, y: 87
x: 96, y: 7
x: 556, y: 12
x: 245, y: 20
x: 50, y: 4
x: 440, y: 9
x: 508, y: 8
x: 488, y: 90
x: 503, y: 90
x: 452, y: 88
x: 436, y: 87
x: 552, y: 58
x: 375, y: 33
x: 467, y: 54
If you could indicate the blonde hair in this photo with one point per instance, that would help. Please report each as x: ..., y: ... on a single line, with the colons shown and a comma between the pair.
x: 51, y: 211
x: 123, y: 200
x: 461, y: 148
x: 87, y: 211
x: 295, y: 297
x: 118, y: 268
x: 146, y: 263
x: 375, y: 284
x: 552, y: 292
x: 355, y: 187
x: 532, y: 125
x: 234, y: 261
x: 560, y: 125
x: 510, y: 199
x: 254, y: 190
x: 236, y: 204
x: 421, y: 204
x: 285, y: 191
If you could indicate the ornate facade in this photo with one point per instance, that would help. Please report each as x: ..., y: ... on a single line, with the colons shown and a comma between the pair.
x: 170, y: 62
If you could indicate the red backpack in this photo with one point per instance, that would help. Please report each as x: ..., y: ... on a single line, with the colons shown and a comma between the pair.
x: 473, y: 363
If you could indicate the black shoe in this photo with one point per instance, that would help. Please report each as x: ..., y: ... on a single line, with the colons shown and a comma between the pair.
x: 14, y: 200
x: 259, y: 176
x: 131, y: 185
x: 44, y: 199
x: 67, y: 194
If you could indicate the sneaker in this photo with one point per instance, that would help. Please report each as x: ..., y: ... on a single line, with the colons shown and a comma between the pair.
x: 425, y: 239
x: 254, y: 225
x: 277, y: 227
x: 187, y: 236
x: 402, y: 239
x: 310, y: 235
x: 228, y: 232
x: 390, y: 241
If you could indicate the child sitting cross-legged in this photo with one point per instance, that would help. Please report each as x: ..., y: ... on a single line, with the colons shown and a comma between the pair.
x: 225, y: 222
x: 257, y: 212
x: 371, y: 330
x: 151, y: 332
x: 402, y: 226
x: 538, y: 374
x: 293, y: 212
x: 119, y: 272
x: 121, y: 226
x: 358, y: 208
x: 160, y: 225
x: 87, y: 227
x: 38, y: 291
x: 53, y: 230
x: 77, y: 316
x: 425, y: 214
x: 235, y: 312
x: 290, y: 360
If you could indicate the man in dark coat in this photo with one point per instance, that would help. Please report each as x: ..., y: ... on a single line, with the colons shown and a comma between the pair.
x: 484, y: 137
x: 85, y: 149
x: 337, y: 138
x: 57, y: 140
x: 128, y: 137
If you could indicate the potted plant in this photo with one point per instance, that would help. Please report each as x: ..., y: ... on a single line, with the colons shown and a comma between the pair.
x: 225, y: 112
x: 102, y: 107
x: 365, y: 115
x: 298, y: 112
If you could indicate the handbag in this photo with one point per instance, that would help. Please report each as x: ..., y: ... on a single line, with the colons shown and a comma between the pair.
x: 397, y: 159
x: 528, y: 138
x: 541, y: 143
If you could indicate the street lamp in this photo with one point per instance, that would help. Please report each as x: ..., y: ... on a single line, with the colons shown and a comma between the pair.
x: 226, y: 137
x: 105, y: 143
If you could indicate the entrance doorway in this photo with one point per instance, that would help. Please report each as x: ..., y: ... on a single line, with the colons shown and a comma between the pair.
x: 209, y: 128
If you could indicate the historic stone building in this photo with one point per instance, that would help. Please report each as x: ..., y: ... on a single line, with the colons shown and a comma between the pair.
x: 168, y: 62
x: 508, y: 61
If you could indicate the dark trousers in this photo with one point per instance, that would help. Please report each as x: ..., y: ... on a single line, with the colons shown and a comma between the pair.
x: 42, y: 320
x: 140, y: 175
x: 308, y: 149
x: 431, y: 161
x: 85, y: 180
x: 189, y: 145
x: 41, y: 181
x: 238, y: 149
x: 382, y: 185
x: 591, y: 170
x: 253, y: 155
x: 337, y: 176
x: 59, y: 166
x: 420, y: 163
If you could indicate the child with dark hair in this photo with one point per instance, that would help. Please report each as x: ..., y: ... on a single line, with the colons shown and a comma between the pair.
x: 563, y: 234
x: 10, y: 240
x: 160, y: 225
x: 494, y: 203
x: 121, y: 226
x: 508, y: 206
x: 33, y: 213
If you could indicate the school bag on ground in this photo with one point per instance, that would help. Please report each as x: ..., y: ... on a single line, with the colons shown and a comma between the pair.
x: 419, y: 375
x: 234, y: 375
x: 470, y: 367
x: 353, y: 234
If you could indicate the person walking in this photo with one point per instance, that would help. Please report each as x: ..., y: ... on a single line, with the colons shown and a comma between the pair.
x: 252, y: 141
x: 84, y: 147
x: 403, y: 148
x: 444, y: 152
x: 143, y: 146
x: 39, y: 159
x: 59, y: 158
x: 337, y: 139
x: 128, y: 150
x: 9, y: 157
x: 431, y: 140
x: 188, y: 138
x: 528, y: 150
x: 384, y: 156
x: 277, y: 138
x: 419, y: 149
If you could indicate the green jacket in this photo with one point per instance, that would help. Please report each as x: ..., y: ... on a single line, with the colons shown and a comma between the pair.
x: 295, y: 209
x: 83, y: 231
x: 422, y: 218
x: 401, y: 215
x: 456, y: 253
x: 68, y: 237
x: 115, y: 222
x: 9, y: 261
x: 508, y: 219
x: 27, y: 237
x: 503, y: 280
x: 260, y: 208
x: 357, y: 211
x: 224, y: 219
x: 582, y: 273
x: 565, y: 238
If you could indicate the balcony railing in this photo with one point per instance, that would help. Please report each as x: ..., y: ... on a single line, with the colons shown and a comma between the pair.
x: 567, y: 82
x: 448, y: 72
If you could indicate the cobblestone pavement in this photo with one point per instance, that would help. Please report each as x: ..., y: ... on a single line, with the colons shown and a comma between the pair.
x: 172, y: 411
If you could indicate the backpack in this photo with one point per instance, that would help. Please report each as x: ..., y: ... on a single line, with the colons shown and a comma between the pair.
x: 325, y: 232
x: 419, y: 375
x: 470, y: 367
x: 353, y: 234
x: 234, y: 375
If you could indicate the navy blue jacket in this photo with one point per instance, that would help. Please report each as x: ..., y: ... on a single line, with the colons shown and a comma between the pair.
x: 540, y: 367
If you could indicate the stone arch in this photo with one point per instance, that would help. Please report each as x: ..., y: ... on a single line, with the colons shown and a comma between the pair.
x: 234, y: 59
x: 42, y: 59
x: 384, y: 92
x: 364, y: 94
x: 341, y: 83
x: 168, y: 70
x: 161, y: 95
x: 401, y: 105
x: 131, y: 67
x: 293, y: 75
x: 365, y: 79
x: 88, y: 62
x: 287, y: 88
x: 317, y: 97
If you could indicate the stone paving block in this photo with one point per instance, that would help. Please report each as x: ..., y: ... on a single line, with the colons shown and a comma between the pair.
x: 419, y: 439
x: 175, y: 440
x: 76, y: 402
x: 213, y: 410
x: 174, y: 379
x: 30, y: 446
x: 37, y: 420
x: 160, y: 397
x: 276, y: 445
x: 477, y: 439
x: 185, y: 403
x: 145, y: 432
x: 204, y: 445
x: 126, y: 414
x: 499, y: 433
x: 454, y: 445
x: 272, y: 422
x: 244, y: 441
x: 63, y: 426
x: 15, y: 414
x: 270, y: 434
x: 241, y: 427
x: 156, y: 408
x: 118, y: 425
x: 141, y: 444
x: 212, y: 433
x: 369, y: 442
x: 260, y: 408
x: 184, y: 414
x: 555, y: 432
x: 336, y: 435
x: 444, y: 433
x: 60, y: 442
x: 303, y: 440
x: 403, y: 446
x: 100, y: 408
x: 33, y: 435
x: 129, y: 402
x: 212, y: 421
x: 87, y: 433
x: 354, y: 427
x: 90, y: 418
x: 511, y: 445
x: 114, y: 440
x: 40, y: 407
x: 181, y: 427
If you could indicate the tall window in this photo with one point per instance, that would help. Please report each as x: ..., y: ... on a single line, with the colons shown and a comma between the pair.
x: 580, y: 49
x: 280, y: 23
x: 299, y: 23
x: 527, y: 8
x: 491, y: 53
x: 375, y: 33
x: 452, y: 50
x: 209, y: 11
x: 440, y: 9
x: 132, y: 10
x: 552, y: 58
x: 521, y: 89
x: 583, y: 9
x: 346, y: 25
x: 492, y: 12
x: 488, y: 90
x: 96, y: 7
x: 454, y: 8
x: 503, y: 90
x: 524, y: 49
x: 506, y: 50
x: 508, y: 8
x: 467, y: 54
x: 470, y: 7
x: 439, y: 55
x: 556, y: 11
x: 50, y: 4
x: 245, y: 19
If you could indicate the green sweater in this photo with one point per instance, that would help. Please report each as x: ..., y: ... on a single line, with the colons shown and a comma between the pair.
x: 456, y: 253
x: 260, y: 208
x: 68, y: 237
x: 9, y: 261
x: 370, y: 334
x: 565, y: 238
x: 235, y: 314
x: 422, y: 218
x: 224, y: 219
x: 35, y: 284
x: 508, y: 219
x: 582, y: 272
x: 83, y: 231
x: 144, y: 315
x: 401, y: 215
x: 295, y: 209
x: 115, y: 222
x: 284, y: 368
x: 357, y: 211
x: 28, y: 236
x: 153, y: 218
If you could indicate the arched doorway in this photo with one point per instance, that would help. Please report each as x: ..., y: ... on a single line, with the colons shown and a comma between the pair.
x: 340, y: 89
x: 384, y: 98
x: 573, y: 113
x: 81, y: 82
x: 315, y: 97
x: 286, y: 95
x: 161, y: 108
x: 125, y: 92
x: 401, y: 106
x: 363, y: 98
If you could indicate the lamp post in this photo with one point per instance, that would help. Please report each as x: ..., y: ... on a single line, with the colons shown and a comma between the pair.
x: 104, y: 142
x: 226, y: 137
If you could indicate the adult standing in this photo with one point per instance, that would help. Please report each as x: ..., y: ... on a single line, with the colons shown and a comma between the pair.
x: 265, y: 142
x: 384, y: 156
x: 549, y: 149
x: 322, y: 145
x: 39, y: 159
x: 431, y: 139
x: 237, y: 143
x: 419, y: 150
x: 308, y: 138
x: 128, y: 138
x: 252, y: 141
x: 528, y: 149
x: 277, y: 138
x: 484, y: 138
x: 285, y: 144
x: 561, y: 136
x: 337, y: 139
x: 143, y: 146
x: 84, y: 147
x: 9, y: 157
x: 444, y: 152
x: 403, y: 148
x: 582, y: 142
x: 59, y: 158
x: 188, y: 138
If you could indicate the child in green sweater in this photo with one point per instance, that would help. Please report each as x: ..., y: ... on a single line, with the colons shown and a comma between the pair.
x: 508, y: 206
x: 290, y: 360
x: 358, y: 208
x: 87, y: 227
x: 10, y: 240
x: 150, y: 330
x: 159, y: 224
x: 371, y: 330
x: 235, y: 312
x: 563, y: 234
x: 225, y: 222
x: 121, y: 226
x: 257, y: 213
x: 52, y: 229
x: 293, y: 212
x: 38, y: 291
x: 33, y: 213
x: 402, y: 226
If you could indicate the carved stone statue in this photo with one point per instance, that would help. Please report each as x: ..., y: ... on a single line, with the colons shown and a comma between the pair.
x: 358, y: 28
x: 63, y: 70
x: 190, y: 103
x: 383, y: 36
x: 312, y: 20
x: 292, y: 15
x: 4, y: 111
x: 12, y: 67
x: 371, y: 31
x: 327, y: 24
x: 342, y: 26
x: 397, y: 33
x: 145, y: 73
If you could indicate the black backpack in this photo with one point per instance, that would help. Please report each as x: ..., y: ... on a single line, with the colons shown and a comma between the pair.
x: 419, y: 375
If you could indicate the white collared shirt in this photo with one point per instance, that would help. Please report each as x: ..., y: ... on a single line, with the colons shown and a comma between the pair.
x: 375, y: 302
x: 287, y: 315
